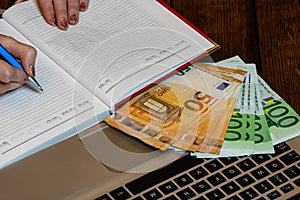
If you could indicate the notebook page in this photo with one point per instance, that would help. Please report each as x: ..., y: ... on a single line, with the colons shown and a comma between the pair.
x: 113, y: 38
x: 32, y: 120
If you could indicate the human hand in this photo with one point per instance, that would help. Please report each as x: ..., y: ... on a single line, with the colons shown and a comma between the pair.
x: 61, y: 13
x: 11, y: 77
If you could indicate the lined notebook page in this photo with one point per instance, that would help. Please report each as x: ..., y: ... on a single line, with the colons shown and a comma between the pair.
x: 30, y: 118
x: 113, y: 38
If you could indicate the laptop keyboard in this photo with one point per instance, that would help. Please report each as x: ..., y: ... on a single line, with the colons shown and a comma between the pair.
x: 275, y: 176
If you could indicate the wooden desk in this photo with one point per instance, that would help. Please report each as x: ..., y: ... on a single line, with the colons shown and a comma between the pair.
x: 264, y: 32
x: 3, y: 4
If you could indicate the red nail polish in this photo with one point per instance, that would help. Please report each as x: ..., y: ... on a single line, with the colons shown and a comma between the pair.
x: 64, y: 24
x: 25, y: 80
x: 52, y: 20
x: 82, y: 6
x: 73, y: 19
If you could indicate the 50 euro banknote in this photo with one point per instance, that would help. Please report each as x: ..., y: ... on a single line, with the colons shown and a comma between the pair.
x: 168, y: 113
x: 239, y: 138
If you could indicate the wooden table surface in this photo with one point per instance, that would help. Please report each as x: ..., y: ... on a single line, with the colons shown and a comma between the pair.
x: 264, y: 32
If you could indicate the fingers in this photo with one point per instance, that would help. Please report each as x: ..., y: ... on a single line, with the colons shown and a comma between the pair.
x: 62, y: 12
x: 11, y: 77
x: 47, y: 10
x: 73, y: 11
x: 6, y: 87
x: 24, y: 53
x: 61, y: 15
x: 83, y: 5
x: 10, y: 74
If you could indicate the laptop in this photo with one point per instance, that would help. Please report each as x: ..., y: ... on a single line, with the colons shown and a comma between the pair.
x: 102, y: 163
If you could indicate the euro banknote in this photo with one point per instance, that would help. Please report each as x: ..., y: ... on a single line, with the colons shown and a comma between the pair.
x: 283, y: 120
x: 239, y: 139
x: 163, y: 115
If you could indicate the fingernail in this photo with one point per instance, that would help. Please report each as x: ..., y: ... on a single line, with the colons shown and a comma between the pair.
x: 25, y: 80
x: 32, y: 70
x: 82, y: 6
x: 73, y: 19
x: 52, y: 20
x: 64, y: 24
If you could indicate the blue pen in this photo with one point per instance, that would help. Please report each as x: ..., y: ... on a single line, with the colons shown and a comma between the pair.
x: 13, y: 62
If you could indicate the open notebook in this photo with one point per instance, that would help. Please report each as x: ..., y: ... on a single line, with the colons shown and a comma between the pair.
x: 118, y: 48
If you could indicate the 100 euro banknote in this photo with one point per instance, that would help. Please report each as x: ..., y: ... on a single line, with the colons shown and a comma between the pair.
x: 283, y: 121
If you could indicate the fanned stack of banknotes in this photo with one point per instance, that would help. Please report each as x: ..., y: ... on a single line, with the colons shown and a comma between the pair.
x: 211, y: 110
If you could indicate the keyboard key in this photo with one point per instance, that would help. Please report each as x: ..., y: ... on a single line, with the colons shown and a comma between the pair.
x: 186, y: 194
x: 278, y: 179
x: 152, y: 195
x: 201, y: 198
x: 260, y: 173
x: 172, y: 197
x: 292, y: 172
x: 231, y: 172
x: 230, y: 188
x: 248, y: 194
x: 295, y: 197
x: 168, y: 187
x: 287, y: 188
x: 245, y: 165
x: 216, y: 194
x: 261, y: 158
x: 228, y: 160
x: 235, y: 197
x: 201, y: 187
x: 138, y: 185
x: 263, y: 187
x: 138, y: 198
x: 290, y: 158
x: 213, y: 165
x: 104, y: 197
x: 183, y: 180
x: 198, y: 173
x: 120, y: 193
x: 274, y: 166
x: 274, y: 195
x: 281, y: 148
x: 245, y: 180
x: 216, y: 179
x: 297, y: 182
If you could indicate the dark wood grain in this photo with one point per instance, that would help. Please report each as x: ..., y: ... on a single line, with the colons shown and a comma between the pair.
x: 264, y: 32
x: 168, y: 2
x: 3, y: 4
x: 229, y: 23
x: 279, y: 38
